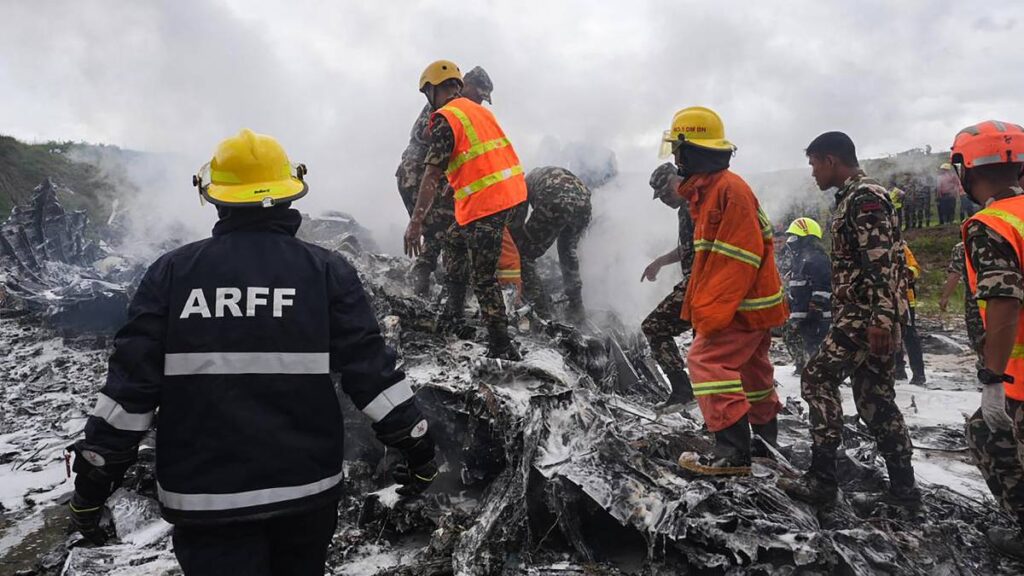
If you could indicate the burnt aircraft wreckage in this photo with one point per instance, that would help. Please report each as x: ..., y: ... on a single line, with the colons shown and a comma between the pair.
x: 555, y: 465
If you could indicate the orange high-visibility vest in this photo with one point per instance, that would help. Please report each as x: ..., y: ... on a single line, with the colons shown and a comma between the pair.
x: 484, y: 171
x: 1006, y: 218
x: 509, y: 268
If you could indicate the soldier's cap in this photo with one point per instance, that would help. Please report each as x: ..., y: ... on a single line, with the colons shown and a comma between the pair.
x: 478, y: 77
x: 660, y: 176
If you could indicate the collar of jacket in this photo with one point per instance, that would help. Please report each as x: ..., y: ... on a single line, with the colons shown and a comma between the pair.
x: 279, y: 219
x: 692, y: 188
x: 850, y: 184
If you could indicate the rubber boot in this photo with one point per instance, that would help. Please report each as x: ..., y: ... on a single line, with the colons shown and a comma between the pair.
x: 769, y: 434
x: 731, y: 455
x: 819, y: 485
x: 903, y: 489
x: 421, y: 281
x: 452, y: 320
x: 500, y: 345
x: 1007, y: 541
x: 575, y: 313
x: 681, y: 395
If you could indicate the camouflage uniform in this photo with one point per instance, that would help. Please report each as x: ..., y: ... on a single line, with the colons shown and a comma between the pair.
x: 869, y: 289
x: 664, y: 323
x: 1000, y: 454
x: 473, y: 250
x: 442, y: 213
x: 559, y: 210
x: 972, y: 316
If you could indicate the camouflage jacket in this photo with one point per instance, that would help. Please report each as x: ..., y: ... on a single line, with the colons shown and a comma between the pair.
x: 869, y: 283
x: 419, y: 138
x: 556, y: 189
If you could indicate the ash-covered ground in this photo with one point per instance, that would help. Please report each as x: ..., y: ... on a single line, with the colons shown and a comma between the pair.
x: 554, y: 465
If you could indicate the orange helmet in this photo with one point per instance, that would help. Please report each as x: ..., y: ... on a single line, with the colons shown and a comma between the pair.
x: 988, y: 142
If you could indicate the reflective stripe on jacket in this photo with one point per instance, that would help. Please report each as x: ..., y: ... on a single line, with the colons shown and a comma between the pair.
x: 734, y: 277
x: 1006, y: 218
x: 483, y: 171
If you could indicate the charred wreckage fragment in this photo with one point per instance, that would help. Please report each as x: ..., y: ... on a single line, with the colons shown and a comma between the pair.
x: 554, y: 465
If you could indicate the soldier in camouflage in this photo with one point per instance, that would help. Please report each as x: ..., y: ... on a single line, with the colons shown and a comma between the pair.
x: 957, y: 274
x: 559, y: 212
x: 477, y: 88
x: 868, y: 303
x: 664, y: 323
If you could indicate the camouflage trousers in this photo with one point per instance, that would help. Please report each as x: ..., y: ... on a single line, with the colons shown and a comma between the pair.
x: 438, y: 220
x: 534, y: 236
x: 662, y: 326
x: 1000, y: 457
x: 794, y: 344
x: 841, y: 356
x: 473, y: 252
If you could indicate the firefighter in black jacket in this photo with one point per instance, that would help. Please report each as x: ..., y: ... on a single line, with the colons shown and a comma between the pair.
x: 810, y: 284
x: 234, y: 339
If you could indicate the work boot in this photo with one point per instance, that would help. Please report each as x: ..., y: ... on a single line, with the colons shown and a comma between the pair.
x: 730, y: 457
x: 1007, y: 541
x: 501, y: 346
x: 769, y: 434
x: 903, y: 489
x: 421, y: 281
x: 451, y: 321
x: 901, y: 373
x: 818, y: 486
x: 681, y: 395
x: 918, y: 379
x: 575, y: 313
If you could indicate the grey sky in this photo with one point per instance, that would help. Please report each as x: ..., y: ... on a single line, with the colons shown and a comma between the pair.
x: 336, y: 81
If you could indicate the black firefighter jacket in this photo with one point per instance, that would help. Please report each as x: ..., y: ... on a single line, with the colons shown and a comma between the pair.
x: 810, y: 285
x: 234, y: 339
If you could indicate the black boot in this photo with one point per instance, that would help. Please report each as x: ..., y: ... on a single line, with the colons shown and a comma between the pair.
x: 730, y: 457
x: 769, y: 434
x: 452, y: 320
x: 1007, y: 541
x: 918, y: 379
x: 421, y: 281
x: 903, y: 489
x: 681, y: 395
x: 500, y: 345
x: 819, y: 485
x: 575, y: 313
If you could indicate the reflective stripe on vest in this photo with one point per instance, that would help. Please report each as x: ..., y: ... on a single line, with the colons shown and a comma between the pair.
x: 1006, y: 218
x: 232, y: 501
x: 487, y: 181
x: 246, y: 363
x: 477, y: 148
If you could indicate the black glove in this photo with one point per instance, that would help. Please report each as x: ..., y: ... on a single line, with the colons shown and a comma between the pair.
x: 85, y: 518
x: 417, y: 447
x: 99, y: 472
x: 414, y: 480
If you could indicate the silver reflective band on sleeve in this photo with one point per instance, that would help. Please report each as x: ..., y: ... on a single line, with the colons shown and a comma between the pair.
x: 386, y: 401
x: 826, y: 314
x: 247, y: 363
x: 795, y: 283
x: 798, y: 315
x: 211, y: 502
x: 114, y: 414
x: 821, y: 295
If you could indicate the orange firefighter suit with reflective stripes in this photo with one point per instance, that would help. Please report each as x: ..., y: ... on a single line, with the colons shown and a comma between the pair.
x: 734, y: 299
x: 509, y: 271
x: 1006, y: 218
x: 484, y: 170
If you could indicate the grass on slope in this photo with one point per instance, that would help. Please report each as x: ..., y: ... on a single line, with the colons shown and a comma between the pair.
x: 932, y: 247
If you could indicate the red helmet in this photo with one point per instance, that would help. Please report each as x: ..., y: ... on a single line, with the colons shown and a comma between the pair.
x: 988, y: 142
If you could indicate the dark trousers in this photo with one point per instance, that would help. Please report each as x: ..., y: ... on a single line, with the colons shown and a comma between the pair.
x: 947, y: 208
x: 285, y: 545
x: 912, y: 346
